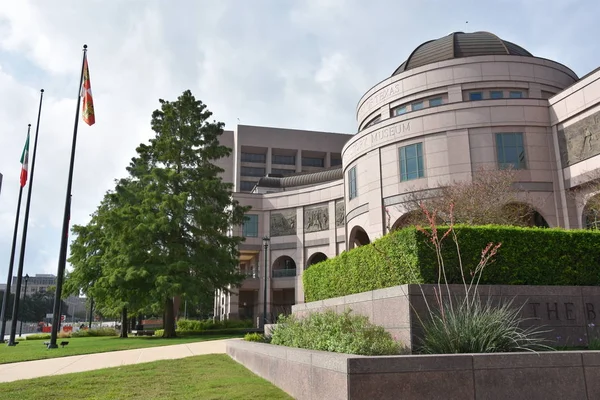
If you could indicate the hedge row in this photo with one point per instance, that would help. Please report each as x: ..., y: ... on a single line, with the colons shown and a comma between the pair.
x: 528, y: 256
x: 208, y: 332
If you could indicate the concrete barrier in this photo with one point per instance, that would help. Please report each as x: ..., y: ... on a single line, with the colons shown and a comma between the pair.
x: 317, y: 375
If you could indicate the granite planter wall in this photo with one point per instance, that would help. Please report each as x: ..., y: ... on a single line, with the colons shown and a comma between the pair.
x: 317, y: 375
x: 569, y: 313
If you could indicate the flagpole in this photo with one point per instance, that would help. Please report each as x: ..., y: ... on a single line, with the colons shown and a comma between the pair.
x: 15, y: 313
x: 11, y: 262
x: 62, y: 257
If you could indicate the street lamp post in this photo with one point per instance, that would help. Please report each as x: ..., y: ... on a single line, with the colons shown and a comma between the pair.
x: 24, y: 296
x: 266, y: 240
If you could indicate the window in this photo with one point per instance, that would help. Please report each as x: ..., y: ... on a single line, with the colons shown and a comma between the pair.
x: 250, y: 227
x: 511, y: 152
x: 252, y: 171
x: 496, y: 94
x: 416, y: 106
x: 283, y: 171
x: 336, y: 161
x: 313, y: 162
x: 411, y: 162
x: 253, y: 157
x: 516, y: 95
x: 435, y: 102
x: 400, y: 110
x: 474, y: 96
x: 247, y: 186
x: 352, y: 191
x: 373, y: 121
x: 285, y: 160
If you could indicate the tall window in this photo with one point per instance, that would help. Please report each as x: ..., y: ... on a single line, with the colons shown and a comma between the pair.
x: 252, y: 171
x: 336, y: 161
x: 400, y: 110
x: 284, y: 160
x: 496, y: 94
x: 352, y: 190
x: 373, y: 121
x: 511, y: 152
x: 416, y: 106
x: 254, y: 157
x: 435, y: 102
x: 250, y: 228
x: 411, y: 162
x: 473, y: 96
x: 516, y: 95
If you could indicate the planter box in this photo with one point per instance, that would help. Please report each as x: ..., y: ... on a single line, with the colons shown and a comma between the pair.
x: 317, y: 375
x: 569, y: 313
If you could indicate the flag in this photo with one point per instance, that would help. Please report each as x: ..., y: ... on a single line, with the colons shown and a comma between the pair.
x: 25, y: 162
x: 86, y: 93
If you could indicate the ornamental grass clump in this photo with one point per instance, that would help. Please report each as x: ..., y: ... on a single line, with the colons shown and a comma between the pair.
x: 463, y: 322
x: 339, y: 333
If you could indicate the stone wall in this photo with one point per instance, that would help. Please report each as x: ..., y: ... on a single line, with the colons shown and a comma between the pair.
x: 569, y: 314
x: 317, y: 375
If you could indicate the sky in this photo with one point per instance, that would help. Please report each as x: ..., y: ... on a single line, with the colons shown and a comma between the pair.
x: 299, y: 64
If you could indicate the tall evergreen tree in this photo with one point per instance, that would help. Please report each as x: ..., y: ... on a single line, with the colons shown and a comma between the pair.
x: 164, y: 231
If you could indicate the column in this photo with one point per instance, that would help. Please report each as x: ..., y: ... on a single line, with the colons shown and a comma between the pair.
x: 269, y: 159
x: 327, y: 160
x: 299, y: 160
x: 233, y: 309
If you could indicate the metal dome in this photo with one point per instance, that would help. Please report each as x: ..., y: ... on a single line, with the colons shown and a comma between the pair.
x: 458, y: 45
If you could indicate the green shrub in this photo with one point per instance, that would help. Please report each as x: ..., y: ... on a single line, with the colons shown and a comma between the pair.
x: 528, y: 256
x: 206, y: 332
x: 105, y: 331
x: 479, y: 328
x: 202, y: 325
x: 340, y: 333
x: 256, y: 337
x: 38, y: 336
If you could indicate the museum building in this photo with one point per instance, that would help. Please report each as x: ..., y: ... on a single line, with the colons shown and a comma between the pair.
x: 459, y: 103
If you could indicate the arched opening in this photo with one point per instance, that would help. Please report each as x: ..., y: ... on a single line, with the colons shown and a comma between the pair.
x: 411, y: 218
x: 591, y: 213
x: 284, y: 266
x: 315, y: 259
x: 525, y: 215
x: 358, y: 237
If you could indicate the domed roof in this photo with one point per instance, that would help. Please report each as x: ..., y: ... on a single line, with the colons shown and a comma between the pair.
x: 458, y: 45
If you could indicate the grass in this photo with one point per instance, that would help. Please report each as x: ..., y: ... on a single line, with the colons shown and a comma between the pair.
x: 213, y: 376
x: 28, y: 350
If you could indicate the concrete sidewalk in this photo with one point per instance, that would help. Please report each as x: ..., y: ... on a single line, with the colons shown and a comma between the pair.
x: 88, y: 362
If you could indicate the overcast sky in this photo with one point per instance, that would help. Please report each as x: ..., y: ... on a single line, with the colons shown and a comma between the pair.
x: 285, y: 63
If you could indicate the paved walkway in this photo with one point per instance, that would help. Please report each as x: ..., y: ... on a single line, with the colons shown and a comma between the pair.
x: 88, y: 362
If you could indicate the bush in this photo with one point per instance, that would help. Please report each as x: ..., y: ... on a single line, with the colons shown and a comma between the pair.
x: 95, y: 332
x: 256, y: 337
x: 479, y: 328
x: 529, y: 256
x: 38, y: 336
x: 206, y: 332
x: 340, y: 333
x: 202, y: 325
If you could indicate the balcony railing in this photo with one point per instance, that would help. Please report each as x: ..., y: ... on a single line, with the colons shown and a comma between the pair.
x: 281, y: 273
x: 250, y: 273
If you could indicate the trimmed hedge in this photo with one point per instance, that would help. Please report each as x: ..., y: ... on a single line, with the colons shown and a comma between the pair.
x: 209, y: 332
x: 528, y: 256
x: 202, y: 325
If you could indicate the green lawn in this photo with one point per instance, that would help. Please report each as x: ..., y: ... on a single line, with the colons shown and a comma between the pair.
x: 213, y: 376
x: 28, y: 350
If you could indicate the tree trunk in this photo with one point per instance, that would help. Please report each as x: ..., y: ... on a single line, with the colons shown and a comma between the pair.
x: 124, y: 323
x: 169, y: 319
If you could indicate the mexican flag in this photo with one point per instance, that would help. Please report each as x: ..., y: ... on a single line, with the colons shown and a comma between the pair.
x: 25, y: 162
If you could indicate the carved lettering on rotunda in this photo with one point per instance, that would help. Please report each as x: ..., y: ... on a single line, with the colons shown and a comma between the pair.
x: 580, y: 141
x: 316, y: 218
x: 283, y: 222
